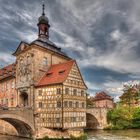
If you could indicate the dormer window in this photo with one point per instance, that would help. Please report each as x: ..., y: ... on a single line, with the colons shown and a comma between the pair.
x: 61, y: 72
x: 49, y: 74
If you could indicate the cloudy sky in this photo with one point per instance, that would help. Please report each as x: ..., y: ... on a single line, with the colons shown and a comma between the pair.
x: 102, y: 35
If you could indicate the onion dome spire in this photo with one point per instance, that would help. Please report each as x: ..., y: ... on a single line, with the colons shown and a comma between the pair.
x: 43, y: 25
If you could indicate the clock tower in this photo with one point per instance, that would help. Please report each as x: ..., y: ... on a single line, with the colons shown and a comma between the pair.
x: 43, y: 25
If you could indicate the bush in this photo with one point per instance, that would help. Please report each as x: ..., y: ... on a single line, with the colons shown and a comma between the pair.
x: 123, y: 118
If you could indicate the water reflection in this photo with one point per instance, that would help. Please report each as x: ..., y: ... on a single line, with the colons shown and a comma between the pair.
x: 114, y: 135
x: 5, y: 137
x: 98, y: 135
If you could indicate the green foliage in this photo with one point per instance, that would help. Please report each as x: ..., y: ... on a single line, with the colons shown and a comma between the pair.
x: 123, y: 118
x: 136, y: 118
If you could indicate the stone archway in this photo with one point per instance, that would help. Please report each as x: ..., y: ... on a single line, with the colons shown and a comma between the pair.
x: 22, y: 128
x: 23, y: 99
x: 22, y: 120
x: 92, y: 122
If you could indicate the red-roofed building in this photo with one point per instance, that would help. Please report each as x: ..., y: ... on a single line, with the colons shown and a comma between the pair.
x: 102, y: 99
x: 45, y: 79
x: 8, y: 92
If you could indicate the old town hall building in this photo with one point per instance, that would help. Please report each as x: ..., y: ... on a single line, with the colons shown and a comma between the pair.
x: 45, y: 79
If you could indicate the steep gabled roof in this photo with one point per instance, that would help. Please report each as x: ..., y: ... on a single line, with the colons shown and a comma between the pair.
x: 7, y: 72
x: 47, y: 44
x: 57, y: 74
x: 101, y: 96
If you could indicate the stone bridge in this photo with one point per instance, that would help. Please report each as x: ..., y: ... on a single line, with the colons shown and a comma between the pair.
x: 96, y: 118
x: 21, y: 118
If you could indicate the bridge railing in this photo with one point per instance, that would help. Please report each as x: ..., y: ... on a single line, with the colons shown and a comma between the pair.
x: 16, y: 108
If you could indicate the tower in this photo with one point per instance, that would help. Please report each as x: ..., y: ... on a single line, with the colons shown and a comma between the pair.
x: 43, y: 25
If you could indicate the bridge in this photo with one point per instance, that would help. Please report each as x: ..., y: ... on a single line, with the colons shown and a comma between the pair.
x: 96, y: 118
x: 21, y: 118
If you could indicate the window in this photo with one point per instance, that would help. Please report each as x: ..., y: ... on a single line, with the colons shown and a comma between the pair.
x: 73, y: 119
x: 82, y: 93
x: 77, y: 104
x: 67, y: 91
x: 12, y: 101
x: 49, y: 120
x: 57, y: 120
x: 82, y: 119
x: 45, y: 61
x: 75, y: 92
x: 66, y: 119
x: 61, y: 72
x: 40, y: 92
x: 1, y: 102
x: 40, y: 105
x: 49, y: 74
x: 70, y: 103
x: 65, y: 103
x: 83, y: 105
x: 59, y: 104
x: 6, y: 102
x: 28, y: 60
x: 58, y: 91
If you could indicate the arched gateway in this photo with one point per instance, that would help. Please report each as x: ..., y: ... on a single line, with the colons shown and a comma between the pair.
x: 92, y: 122
x: 21, y: 119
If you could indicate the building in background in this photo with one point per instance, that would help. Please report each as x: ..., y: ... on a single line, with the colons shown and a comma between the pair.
x: 8, y: 93
x: 45, y: 79
x: 101, y: 100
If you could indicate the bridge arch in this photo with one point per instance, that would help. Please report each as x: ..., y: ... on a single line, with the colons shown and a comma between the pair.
x: 92, y: 121
x: 21, y: 120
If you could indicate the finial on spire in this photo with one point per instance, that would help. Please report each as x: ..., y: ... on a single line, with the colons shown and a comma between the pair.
x: 43, y: 9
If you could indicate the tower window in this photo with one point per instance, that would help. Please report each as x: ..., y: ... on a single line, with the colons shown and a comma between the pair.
x: 45, y: 61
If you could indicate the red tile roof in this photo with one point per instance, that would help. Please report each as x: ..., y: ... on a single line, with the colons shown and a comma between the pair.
x: 56, y: 74
x: 7, y: 72
x: 101, y: 96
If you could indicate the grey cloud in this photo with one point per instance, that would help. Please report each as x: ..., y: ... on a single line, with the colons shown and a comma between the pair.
x: 103, y: 36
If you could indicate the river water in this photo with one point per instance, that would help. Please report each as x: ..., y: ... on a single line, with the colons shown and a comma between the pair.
x: 98, y: 135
